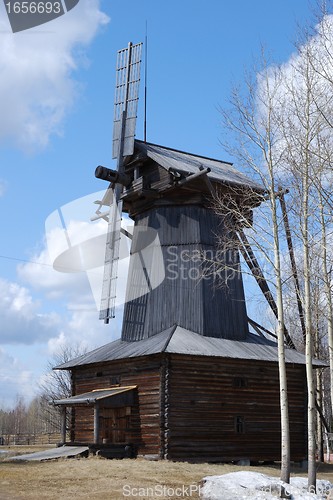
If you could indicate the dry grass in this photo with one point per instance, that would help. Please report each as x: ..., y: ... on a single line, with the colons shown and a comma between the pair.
x: 93, y: 478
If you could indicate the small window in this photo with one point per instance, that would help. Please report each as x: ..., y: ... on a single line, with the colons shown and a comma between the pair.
x: 99, y: 374
x: 115, y: 380
x: 240, y: 382
x: 239, y: 425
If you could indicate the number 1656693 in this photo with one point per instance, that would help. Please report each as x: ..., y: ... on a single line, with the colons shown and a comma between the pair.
x: 33, y: 7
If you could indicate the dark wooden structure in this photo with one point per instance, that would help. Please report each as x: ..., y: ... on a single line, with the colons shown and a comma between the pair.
x: 196, y: 398
x: 187, y: 380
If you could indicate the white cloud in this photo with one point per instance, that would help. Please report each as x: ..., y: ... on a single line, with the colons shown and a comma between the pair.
x: 286, y: 89
x: 37, y: 87
x: 77, y: 292
x: 70, y: 262
x: 58, y: 270
x: 86, y: 331
x: 17, y: 378
x: 14, y: 379
x: 21, y: 319
x: 80, y: 245
x: 40, y: 275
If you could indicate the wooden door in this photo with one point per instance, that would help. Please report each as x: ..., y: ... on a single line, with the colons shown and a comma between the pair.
x: 115, y: 422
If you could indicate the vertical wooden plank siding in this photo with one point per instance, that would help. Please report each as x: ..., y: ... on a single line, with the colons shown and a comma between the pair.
x: 184, y: 297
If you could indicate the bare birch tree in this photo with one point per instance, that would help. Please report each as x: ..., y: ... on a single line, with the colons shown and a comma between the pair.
x: 57, y: 384
x: 321, y: 60
x: 253, y: 121
x: 308, y: 137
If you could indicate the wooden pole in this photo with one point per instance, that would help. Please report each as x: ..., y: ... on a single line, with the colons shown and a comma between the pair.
x: 96, y: 423
x: 251, y: 261
x: 63, y: 425
x: 292, y: 261
x: 145, y: 100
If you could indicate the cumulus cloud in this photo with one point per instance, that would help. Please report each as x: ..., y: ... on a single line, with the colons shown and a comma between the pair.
x: 40, y: 275
x: 21, y: 319
x: 301, y: 87
x: 37, y: 68
x: 71, y: 261
x: 80, y: 292
x: 86, y: 331
x: 68, y: 270
x: 55, y: 269
x: 15, y: 379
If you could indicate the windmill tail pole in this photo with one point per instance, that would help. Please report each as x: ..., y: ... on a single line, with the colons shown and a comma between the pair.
x: 260, y: 328
x: 255, y: 269
x: 281, y: 193
x: 322, y: 417
x: 146, y: 82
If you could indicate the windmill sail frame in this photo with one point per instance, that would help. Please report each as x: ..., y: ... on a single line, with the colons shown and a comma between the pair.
x: 125, y: 115
x: 126, y: 98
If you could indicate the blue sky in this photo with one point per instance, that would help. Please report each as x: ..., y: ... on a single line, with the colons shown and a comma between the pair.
x: 56, y: 104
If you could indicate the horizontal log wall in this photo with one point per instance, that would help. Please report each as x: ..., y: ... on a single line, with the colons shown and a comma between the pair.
x: 144, y: 431
x: 187, y: 406
x: 206, y: 396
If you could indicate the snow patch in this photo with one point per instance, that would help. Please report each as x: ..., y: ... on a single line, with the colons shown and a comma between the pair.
x: 244, y: 485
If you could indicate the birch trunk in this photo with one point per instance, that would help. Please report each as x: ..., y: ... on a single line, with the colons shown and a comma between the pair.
x: 284, y: 410
x: 328, y: 295
x: 309, y: 339
x: 285, y: 433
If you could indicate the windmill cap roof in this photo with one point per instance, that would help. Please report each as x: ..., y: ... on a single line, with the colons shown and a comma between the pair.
x: 181, y: 161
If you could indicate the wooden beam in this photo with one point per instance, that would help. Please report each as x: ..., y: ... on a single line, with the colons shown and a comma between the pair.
x: 210, y: 186
x: 254, y: 267
x: 191, y: 177
x: 63, y: 424
x: 96, y: 423
x: 322, y: 417
x: 292, y: 261
x: 260, y: 327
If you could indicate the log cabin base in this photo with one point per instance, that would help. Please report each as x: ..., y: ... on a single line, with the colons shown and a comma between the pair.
x: 187, y: 407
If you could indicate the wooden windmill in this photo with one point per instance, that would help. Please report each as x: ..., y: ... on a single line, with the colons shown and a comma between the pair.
x: 169, y: 192
x: 187, y: 380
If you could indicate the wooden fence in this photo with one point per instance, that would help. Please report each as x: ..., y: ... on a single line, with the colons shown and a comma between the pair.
x: 28, y: 439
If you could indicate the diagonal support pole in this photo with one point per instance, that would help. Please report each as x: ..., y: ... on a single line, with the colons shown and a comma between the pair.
x: 255, y: 269
x: 292, y: 261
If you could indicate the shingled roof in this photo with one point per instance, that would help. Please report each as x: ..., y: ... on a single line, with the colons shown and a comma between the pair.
x: 187, y: 163
x: 177, y: 340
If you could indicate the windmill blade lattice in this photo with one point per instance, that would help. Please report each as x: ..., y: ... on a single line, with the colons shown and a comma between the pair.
x: 126, y: 98
x: 108, y: 297
x: 125, y: 114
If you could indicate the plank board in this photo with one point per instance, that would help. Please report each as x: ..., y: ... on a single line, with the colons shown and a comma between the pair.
x: 61, y: 452
x: 179, y: 292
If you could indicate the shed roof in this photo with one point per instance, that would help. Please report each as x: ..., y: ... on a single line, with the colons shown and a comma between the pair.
x: 188, y: 163
x: 90, y: 398
x: 178, y: 340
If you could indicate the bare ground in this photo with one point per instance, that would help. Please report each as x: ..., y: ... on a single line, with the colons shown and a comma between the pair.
x: 96, y: 478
